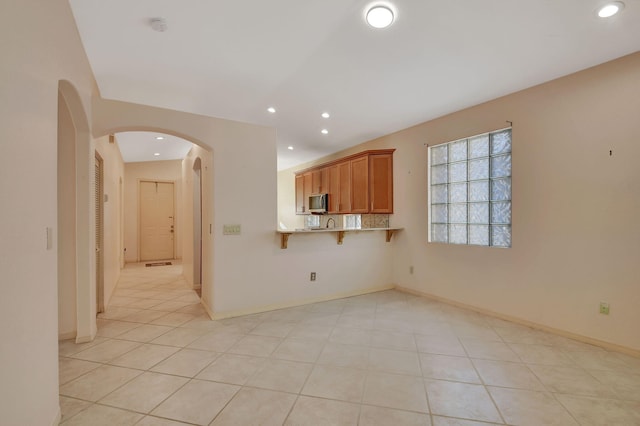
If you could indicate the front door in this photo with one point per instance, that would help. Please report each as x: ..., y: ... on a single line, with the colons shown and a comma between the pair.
x: 156, y: 220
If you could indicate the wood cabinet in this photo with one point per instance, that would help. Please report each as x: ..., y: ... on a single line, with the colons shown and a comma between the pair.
x: 360, y: 183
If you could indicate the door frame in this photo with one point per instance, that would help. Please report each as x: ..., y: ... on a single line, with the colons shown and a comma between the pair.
x: 175, y: 221
x: 99, y: 227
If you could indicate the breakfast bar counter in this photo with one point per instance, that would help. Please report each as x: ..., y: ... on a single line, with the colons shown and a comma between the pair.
x: 285, y: 233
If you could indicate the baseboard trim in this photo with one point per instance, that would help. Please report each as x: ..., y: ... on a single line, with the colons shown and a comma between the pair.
x: 86, y: 339
x: 58, y: 418
x: 579, y: 337
x: 276, y: 306
x: 66, y: 336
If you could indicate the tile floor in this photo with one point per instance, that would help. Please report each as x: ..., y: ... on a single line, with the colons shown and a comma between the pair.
x: 385, y: 358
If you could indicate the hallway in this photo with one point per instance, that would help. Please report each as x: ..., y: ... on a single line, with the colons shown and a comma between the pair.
x: 383, y: 358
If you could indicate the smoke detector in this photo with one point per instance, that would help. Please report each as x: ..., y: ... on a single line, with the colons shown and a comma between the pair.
x: 159, y: 24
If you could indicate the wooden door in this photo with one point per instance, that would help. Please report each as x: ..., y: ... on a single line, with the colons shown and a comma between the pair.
x: 360, y: 185
x: 381, y: 183
x: 156, y: 220
x: 344, y: 193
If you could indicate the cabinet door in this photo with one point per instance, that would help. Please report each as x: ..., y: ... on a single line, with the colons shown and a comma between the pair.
x: 381, y: 183
x: 308, y: 189
x: 324, y: 181
x: 299, y: 194
x: 344, y: 193
x: 333, y: 180
x: 360, y: 185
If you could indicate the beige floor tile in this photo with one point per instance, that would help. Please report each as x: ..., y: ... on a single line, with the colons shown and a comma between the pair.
x: 341, y: 355
x: 483, y: 349
x: 70, y: 369
x: 170, y: 306
x: 541, y: 354
x: 186, y: 362
x: 474, y: 331
x: 507, y: 374
x: 602, y: 412
x: 378, y: 416
x: 195, y: 309
x: 392, y: 361
x: 356, y: 320
x: 461, y: 400
x: 145, y: 333
x: 69, y: 407
x: 395, y: 391
x: 302, y: 350
x: 99, y: 415
x: 180, y: 337
x: 449, y: 421
x: 144, y: 303
x: 98, y: 383
x: 196, y: 402
x: 255, y: 345
x: 433, y: 328
x: 107, y: 350
x: 345, y: 384
x: 571, y: 380
x: 393, y: 340
x: 117, y: 312
x: 174, y: 319
x: 144, y: 316
x: 145, y: 392
x: 218, y: 340
x: 440, y: 345
x: 625, y: 385
x: 447, y: 367
x: 157, y: 421
x: 114, y: 328
x: 256, y: 407
x: 523, y: 407
x: 145, y: 356
x: 316, y: 411
x: 286, y: 376
x: 599, y: 360
x: 273, y: 328
x: 68, y: 348
x: 233, y: 369
x: 311, y: 331
x: 350, y: 336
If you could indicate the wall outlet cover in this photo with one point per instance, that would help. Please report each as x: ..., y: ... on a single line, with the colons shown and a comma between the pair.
x: 604, y: 308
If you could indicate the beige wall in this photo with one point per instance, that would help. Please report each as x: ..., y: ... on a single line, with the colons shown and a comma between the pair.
x: 113, y: 180
x: 576, y: 239
x: 168, y: 170
x: 41, y: 48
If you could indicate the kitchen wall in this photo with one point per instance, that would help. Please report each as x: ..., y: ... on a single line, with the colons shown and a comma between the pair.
x: 169, y: 171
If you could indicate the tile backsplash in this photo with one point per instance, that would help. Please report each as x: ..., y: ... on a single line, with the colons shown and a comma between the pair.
x: 352, y: 221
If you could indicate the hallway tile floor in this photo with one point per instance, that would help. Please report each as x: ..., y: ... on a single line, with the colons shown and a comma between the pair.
x: 385, y: 358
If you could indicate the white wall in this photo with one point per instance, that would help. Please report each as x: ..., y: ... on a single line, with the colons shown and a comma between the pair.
x: 168, y: 170
x: 113, y: 181
x: 41, y: 48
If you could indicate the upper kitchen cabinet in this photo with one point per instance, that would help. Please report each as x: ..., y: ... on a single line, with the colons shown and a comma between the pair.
x: 381, y: 183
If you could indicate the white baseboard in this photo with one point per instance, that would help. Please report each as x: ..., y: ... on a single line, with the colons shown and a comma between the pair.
x: 66, y: 336
x: 58, y: 418
x: 541, y: 327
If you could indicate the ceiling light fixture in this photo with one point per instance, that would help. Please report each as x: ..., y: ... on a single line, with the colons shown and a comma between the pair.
x: 290, y: 148
x: 159, y: 138
x: 325, y: 115
x: 156, y: 154
x: 158, y: 24
x: 380, y: 16
x: 272, y: 110
x: 324, y: 131
x: 610, y: 9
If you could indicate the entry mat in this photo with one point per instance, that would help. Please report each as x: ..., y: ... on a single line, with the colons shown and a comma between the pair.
x: 157, y: 264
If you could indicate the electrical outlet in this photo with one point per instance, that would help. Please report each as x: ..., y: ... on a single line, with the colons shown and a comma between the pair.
x: 411, y: 269
x: 604, y: 308
x: 312, y: 277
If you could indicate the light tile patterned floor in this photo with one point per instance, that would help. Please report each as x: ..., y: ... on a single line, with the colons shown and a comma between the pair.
x: 386, y: 358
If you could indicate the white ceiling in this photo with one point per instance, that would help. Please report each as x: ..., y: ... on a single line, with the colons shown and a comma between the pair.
x: 233, y: 59
x: 142, y: 146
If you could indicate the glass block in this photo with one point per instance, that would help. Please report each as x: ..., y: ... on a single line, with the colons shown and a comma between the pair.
x: 458, y: 192
x: 501, y: 166
x: 352, y: 221
x: 439, y: 213
x: 479, y: 235
x: 458, y: 151
x: 439, y: 233
x: 439, y: 174
x: 501, y: 212
x: 457, y: 213
x: 479, y: 190
x: 439, y: 154
x: 439, y: 194
x: 479, y: 169
x: 479, y: 146
x: 458, y: 234
x: 479, y: 213
x: 458, y: 172
x: 501, y: 236
x: 501, y: 189
x: 501, y: 142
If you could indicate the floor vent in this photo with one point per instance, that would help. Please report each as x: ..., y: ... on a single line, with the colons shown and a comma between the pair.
x: 158, y: 264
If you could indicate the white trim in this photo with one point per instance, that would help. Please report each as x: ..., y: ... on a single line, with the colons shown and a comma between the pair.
x: 58, y: 418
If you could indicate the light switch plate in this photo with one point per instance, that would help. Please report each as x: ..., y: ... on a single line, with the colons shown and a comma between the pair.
x: 231, y: 229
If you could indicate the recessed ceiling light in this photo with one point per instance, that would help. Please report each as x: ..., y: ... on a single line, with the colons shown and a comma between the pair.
x: 325, y: 115
x: 290, y: 148
x: 380, y: 16
x: 324, y: 131
x: 158, y: 24
x: 159, y: 138
x: 156, y: 154
x: 610, y: 9
x: 272, y: 110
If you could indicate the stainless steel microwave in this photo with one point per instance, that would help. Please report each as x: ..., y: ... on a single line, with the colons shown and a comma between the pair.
x: 318, y: 203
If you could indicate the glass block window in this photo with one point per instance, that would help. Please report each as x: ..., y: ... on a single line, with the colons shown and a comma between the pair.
x: 470, y: 190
